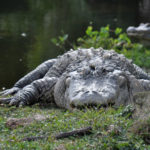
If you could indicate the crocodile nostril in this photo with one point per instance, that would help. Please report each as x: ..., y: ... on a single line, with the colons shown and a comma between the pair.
x: 86, y: 92
x: 95, y: 92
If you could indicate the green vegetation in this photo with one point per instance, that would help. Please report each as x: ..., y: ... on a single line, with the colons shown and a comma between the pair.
x: 110, y: 39
x: 110, y: 129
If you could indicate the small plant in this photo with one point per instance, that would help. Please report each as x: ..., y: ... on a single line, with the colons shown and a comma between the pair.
x: 60, y: 41
x: 127, y: 111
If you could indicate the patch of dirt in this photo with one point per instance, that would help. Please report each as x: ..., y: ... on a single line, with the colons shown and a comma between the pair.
x: 13, y: 123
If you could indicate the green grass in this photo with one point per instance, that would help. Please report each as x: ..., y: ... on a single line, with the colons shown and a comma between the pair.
x: 60, y: 120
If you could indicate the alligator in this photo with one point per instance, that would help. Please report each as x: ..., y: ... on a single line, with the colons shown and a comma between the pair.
x: 141, y: 32
x: 80, y: 78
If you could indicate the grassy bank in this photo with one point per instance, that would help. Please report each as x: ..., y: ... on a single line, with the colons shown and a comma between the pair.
x: 110, y: 129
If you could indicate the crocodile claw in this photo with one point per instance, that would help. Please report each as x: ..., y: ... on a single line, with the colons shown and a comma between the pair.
x: 5, y: 100
x: 11, y: 91
x: 17, y: 99
x: 13, y: 101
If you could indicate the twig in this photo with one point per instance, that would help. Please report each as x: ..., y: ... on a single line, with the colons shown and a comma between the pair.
x: 78, y: 132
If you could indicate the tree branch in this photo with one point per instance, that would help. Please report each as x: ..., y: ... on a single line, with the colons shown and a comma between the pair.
x: 78, y: 132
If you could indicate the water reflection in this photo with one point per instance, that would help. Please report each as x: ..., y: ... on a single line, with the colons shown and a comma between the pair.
x: 27, y: 26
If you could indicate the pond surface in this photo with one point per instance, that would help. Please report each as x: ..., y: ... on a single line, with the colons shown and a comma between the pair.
x: 27, y: 26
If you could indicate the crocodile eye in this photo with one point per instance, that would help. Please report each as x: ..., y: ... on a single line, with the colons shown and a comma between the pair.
x: 92, y: 67
x: 103, y: 70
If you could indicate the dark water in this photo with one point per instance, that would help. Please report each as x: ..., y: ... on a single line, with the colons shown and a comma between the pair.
x: 27, y: 26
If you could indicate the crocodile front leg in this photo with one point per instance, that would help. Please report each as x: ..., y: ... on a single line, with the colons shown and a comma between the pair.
x: 36, y: 74
x: 32, y: 93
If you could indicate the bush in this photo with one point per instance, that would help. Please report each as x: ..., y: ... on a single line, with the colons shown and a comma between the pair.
x: 118, y: 41
x: 109, y: 39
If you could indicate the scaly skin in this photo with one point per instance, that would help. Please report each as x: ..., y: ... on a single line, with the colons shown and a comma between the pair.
x: 141, y: 32
x: 79, y: 78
